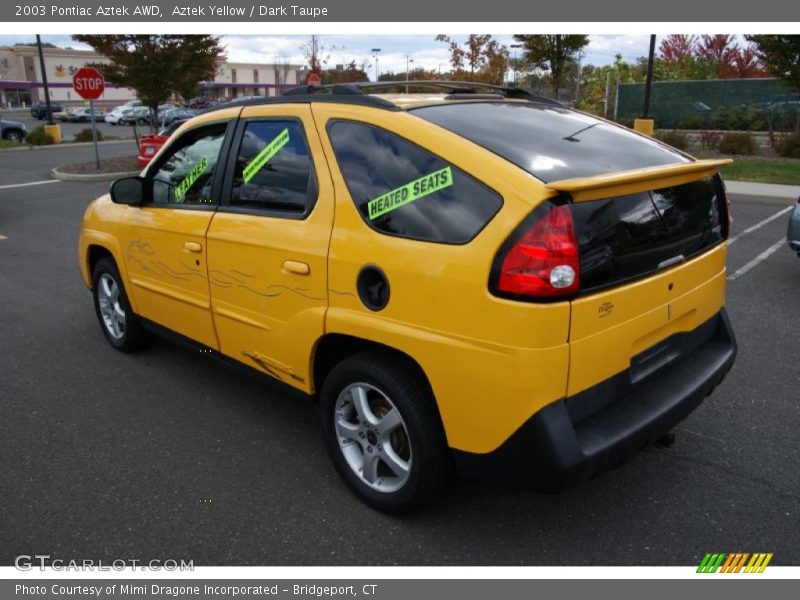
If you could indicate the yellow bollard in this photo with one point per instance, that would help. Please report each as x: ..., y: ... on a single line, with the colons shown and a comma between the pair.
x: 54, y: 131
x: 645, y: 126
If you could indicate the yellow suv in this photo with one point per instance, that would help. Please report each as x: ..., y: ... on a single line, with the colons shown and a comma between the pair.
x: 471, y: 280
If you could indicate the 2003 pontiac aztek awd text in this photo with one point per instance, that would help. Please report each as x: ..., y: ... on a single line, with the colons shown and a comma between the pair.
x: 486, y: 282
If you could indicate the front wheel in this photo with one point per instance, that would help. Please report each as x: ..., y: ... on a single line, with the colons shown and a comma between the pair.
x: 13, y: 136
x: 120, y: 326
x: 383, y: 432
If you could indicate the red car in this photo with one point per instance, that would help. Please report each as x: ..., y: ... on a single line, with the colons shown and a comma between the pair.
x: 150, y: 144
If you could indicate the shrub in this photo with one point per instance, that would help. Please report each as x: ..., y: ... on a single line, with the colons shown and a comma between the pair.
x: 709, y: 140
x: 676, y: 139
x: 790, y: 146
x: 738, y: 143
x: 85, y: 135
x: 38, y: 137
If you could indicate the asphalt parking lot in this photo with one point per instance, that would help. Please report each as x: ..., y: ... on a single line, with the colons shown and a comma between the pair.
x: 166, y: 454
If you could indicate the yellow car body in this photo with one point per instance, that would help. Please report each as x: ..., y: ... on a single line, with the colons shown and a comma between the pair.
x: 280, y: 295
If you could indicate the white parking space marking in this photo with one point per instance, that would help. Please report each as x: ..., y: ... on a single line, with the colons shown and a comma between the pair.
x: 16, y: 185
x: 760, y: 224
x: 758, y: 259
x: 2, y: 237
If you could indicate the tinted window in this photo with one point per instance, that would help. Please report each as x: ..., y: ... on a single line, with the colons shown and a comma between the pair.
x: 185, y: 177
x: 628, y: 236
x: 550, y: 142
x: 273, y: 168
x: 403, y: 190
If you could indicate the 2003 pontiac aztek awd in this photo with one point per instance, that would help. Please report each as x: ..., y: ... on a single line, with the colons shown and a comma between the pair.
x: 484, y: 282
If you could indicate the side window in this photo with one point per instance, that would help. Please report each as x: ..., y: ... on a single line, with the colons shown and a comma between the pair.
x: 403, y: 190
x: 185, y: 177
x: 273, y: 169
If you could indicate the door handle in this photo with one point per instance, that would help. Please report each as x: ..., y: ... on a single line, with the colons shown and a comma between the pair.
x: 192, y: 247
x: 296, y: 267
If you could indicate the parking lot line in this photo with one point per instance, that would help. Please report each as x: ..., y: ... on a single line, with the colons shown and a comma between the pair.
x: 16, y: 185
x: 2, y: 237
x: 760, y: 224
x: 758, y: 259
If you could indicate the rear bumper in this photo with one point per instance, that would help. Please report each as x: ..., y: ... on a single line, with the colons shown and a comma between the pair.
x: 599, y: 428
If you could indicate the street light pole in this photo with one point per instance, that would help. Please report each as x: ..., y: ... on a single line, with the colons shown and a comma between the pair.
x: 408, y: 60
x: 515, y: 46
x: 375, y: 56
x: 44, y: 82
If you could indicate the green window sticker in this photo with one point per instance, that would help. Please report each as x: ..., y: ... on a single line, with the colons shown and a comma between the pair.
x: 414, y: 190
x: 189, y: 180
x: 261, y: 159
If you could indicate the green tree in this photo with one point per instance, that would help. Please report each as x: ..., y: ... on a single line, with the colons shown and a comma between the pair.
x: 553, y: 53
x: 157, y: 66
x: 781, y: 54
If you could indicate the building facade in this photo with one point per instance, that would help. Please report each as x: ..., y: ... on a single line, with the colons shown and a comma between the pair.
x: 21, y: 78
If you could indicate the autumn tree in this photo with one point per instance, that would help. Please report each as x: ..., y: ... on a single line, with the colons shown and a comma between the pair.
x: 719, y: 51
x: 281, y: 67
x: 480, y: 58
x: 746, y: 65
x: 157, y: 66
x: 316, y: 53
x: 553, y: 53
x: 457, y: 53
x: 350, y: 72
x: 676, y: 49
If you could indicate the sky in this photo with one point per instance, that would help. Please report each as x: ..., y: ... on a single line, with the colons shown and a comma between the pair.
x: 423, y: 50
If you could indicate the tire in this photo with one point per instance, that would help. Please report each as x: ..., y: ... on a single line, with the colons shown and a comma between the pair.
x: 13, y: 135
x: 142, y: 121
x: 380, y: 423
x: 119, y: 324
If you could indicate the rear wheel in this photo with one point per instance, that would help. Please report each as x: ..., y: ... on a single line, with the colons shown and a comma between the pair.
x: 383, y: 433
x: 121, y: 327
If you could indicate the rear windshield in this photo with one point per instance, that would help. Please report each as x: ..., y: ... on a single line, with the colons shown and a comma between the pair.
x: 550, y: 142
x: 630, y: 236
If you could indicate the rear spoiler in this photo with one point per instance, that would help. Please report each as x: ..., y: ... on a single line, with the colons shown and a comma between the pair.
x: 638, y: 180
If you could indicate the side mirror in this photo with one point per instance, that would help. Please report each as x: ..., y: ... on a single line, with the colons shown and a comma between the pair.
x: 128, y: 190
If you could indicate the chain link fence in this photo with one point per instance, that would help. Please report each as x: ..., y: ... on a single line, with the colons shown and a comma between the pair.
x: 721, y: 104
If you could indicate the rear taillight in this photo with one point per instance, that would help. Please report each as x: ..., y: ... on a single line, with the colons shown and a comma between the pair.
x: 540, y: 260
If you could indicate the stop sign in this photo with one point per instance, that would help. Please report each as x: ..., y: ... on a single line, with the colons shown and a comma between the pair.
x: 314, y: 79
x: 88, y: 83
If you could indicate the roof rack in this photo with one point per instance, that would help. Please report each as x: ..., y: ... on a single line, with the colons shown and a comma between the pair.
x: 354, y: 93
x: 452, y: 87
x: 308, y: 93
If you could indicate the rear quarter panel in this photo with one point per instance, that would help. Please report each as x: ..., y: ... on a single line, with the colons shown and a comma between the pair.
x: 491, y: 362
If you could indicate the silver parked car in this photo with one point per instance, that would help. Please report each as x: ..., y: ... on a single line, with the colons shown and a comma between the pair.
x: 13, y: 131
x: 794, y: 229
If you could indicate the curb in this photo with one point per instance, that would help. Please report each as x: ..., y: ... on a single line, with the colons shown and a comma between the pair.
x: 91, y: 176
x: 65, y: 145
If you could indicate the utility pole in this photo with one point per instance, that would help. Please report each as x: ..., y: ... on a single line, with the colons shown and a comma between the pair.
x: 375, y: 56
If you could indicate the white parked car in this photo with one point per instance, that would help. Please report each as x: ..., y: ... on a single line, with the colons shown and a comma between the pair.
x: 115, y: 114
